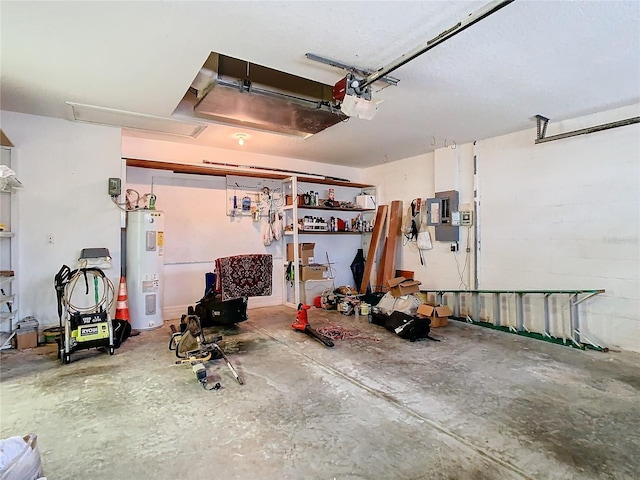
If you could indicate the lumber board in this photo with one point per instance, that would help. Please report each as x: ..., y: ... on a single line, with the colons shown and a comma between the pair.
x: 378, y: 228
x: 379, y: 283
x: 395, y: 223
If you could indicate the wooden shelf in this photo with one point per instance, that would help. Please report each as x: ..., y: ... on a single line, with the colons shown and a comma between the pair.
x: 223, y: 172
x: 322, y: 232
x: 333, y: 209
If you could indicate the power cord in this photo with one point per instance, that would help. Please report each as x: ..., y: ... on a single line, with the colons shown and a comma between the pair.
x: 466, y: 261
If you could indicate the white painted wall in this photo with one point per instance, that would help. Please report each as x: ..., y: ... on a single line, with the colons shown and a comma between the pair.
x: 195, y: 207
x: 564, y: 215
x: 560, y: 215
x: 64, y: 167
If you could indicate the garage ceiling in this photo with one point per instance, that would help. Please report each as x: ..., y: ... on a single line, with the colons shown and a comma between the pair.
x: 558, y: 59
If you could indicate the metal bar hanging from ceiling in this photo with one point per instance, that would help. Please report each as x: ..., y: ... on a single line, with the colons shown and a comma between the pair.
x: 541, y: 123
x: 471, y: 19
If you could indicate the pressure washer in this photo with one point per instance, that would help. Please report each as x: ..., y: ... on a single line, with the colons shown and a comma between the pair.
x: 89, y: 326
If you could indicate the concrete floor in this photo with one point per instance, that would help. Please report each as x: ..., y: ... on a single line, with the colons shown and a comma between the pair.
x: 478, y: 405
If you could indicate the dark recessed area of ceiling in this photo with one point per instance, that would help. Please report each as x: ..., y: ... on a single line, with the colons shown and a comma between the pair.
x: 237, y: 92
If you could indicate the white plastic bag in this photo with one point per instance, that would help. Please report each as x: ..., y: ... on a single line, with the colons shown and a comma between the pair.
x: 406, y: 304
x: 26, y: 464
x: 424, y: 239
x: 386, y: 303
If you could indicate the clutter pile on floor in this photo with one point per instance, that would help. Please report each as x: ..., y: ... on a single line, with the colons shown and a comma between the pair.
x: 224, y: 304
x: 398, y: 310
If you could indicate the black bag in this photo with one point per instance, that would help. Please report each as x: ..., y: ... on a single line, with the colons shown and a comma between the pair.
x: 213, y: 311
x: 408, y: 327
x: 357, y: 268
x: 121, y: 331
x: 378, y: 318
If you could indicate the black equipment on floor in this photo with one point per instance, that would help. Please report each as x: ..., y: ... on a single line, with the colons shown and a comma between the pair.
x: 409, y: 327
x: 212, y: 311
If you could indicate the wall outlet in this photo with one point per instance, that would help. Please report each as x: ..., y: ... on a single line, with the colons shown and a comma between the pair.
x: 454, y: 247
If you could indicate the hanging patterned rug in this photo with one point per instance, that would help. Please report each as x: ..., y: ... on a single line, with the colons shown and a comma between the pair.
x: 244, y: 276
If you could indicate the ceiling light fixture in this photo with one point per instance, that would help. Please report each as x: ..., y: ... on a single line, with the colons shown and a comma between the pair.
x: 241, y: 138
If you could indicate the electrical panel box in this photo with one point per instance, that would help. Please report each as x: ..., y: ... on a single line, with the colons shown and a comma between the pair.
x: 441, y: 213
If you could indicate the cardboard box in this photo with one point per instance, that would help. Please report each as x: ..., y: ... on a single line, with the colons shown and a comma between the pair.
x: 313, y: 272
x: 405, y: 273
x: 289, y: 200
x: 305, y: 252
x: 400, y: 286
x: 437, y: 313
x: 27, y: 339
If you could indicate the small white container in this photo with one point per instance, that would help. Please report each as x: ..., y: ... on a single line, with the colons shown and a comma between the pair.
x: 366, y: 201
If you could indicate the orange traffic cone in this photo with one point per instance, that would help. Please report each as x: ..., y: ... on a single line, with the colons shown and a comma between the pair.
x: 122, y: 307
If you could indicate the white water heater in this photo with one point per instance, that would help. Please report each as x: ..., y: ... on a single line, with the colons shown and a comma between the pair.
x: 145, y: 265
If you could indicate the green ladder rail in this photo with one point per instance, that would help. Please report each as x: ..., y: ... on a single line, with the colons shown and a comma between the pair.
x: 577, y: 338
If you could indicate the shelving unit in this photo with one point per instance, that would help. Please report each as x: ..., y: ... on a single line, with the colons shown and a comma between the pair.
x: 293, y: 187
x: 8, y: 253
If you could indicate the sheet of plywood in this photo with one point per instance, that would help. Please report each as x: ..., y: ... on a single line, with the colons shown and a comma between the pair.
x: 395, y: 223
x: 378, y: 228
